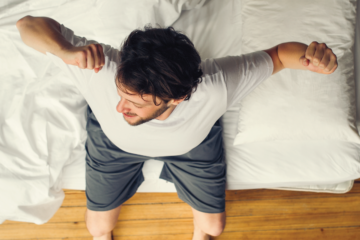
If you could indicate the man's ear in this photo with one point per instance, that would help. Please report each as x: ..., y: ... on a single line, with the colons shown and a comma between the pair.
x: 177, y: 101
x: 180, y: 100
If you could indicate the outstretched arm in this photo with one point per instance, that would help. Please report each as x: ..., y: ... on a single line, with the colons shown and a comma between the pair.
x: 316, y: 57
x: 44, y: 35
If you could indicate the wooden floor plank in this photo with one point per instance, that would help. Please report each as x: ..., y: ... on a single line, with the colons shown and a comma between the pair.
x: 48, y: 230
x: 67, y: 238
x: 346, y: 233
x: 252, y: 214
x: 294, y: 206
x: 187, y: 236
x: 335, y: 204
x: 78, y: 198
x: 74, y: 198
x: 181, y: 226
x: 293, y: 221
x: 236, y: 224
x: 343, y: 233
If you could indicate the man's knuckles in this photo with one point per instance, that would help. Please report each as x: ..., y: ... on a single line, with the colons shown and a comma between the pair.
x: 88, y: 57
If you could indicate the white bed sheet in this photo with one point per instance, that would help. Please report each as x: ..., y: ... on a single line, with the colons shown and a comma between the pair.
x: 50, y: 171
x: 42, y: 115
x: 205, y: 27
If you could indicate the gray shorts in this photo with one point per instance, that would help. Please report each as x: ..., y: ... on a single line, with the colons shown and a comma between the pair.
x: 113, y: 175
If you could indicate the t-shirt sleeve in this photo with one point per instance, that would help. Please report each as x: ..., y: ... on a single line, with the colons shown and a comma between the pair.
x: 242, y: 74
x: 81, y: 77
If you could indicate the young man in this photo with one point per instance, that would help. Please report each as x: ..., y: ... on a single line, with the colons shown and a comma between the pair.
x: 156, y: 99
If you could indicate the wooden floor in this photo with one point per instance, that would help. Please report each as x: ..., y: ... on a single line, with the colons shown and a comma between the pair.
x: 251, y: 215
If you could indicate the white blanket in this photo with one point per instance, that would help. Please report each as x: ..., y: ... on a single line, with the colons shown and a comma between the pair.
x: 42, y: 125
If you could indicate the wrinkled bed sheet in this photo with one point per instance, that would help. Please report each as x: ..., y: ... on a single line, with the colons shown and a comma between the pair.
x: 42, y: 121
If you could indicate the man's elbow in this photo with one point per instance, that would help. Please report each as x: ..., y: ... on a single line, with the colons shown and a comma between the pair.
x: 278, y: 65
x: 23, y: 21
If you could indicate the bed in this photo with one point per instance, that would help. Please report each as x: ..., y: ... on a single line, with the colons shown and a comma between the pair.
x: 295, y: 131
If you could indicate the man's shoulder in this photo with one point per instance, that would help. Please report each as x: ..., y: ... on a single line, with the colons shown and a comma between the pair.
x: 209, y: 66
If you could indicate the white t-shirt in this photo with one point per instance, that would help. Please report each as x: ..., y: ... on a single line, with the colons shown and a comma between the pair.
x: 225, y: 81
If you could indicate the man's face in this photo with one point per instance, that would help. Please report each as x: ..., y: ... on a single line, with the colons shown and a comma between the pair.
x: 136, y: 111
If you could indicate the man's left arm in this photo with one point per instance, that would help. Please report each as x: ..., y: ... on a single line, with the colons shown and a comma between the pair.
x: 316, y: 57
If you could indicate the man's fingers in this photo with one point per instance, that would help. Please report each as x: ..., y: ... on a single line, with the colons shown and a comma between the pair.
x: 90, y: 57
x: 332, y: 64
x: 326, y: 59
x: 322, y: 57
x: 97, y: 56
x: 310, y: 51
x: 319, y: 54
x: 96, y: 70
x: 82, y: 59
x: 101, y: 52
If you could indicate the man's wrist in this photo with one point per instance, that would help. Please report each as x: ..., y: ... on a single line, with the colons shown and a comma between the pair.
x: 62, y: 46
x: 289, y: 54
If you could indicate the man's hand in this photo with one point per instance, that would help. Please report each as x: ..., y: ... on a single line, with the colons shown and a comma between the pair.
x: 319, y: 58
x: 85, y: 57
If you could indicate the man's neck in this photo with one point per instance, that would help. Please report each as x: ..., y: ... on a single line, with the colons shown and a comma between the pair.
x: 166, y: 114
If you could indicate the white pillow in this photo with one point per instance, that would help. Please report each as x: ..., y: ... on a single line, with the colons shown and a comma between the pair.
x: 128, y: 15
x: 297, y: 104
x: 97, y: 20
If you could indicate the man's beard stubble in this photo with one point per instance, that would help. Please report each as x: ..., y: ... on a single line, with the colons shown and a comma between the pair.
x: 153, y: 116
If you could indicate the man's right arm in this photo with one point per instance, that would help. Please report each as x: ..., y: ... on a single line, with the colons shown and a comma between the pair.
x: 44, y: 35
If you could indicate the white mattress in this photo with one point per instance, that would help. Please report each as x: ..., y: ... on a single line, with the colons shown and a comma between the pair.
x: 204, y: 26
x: 36, y: 163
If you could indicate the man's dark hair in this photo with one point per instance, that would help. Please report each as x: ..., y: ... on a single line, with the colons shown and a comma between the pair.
x: 159, y: 61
